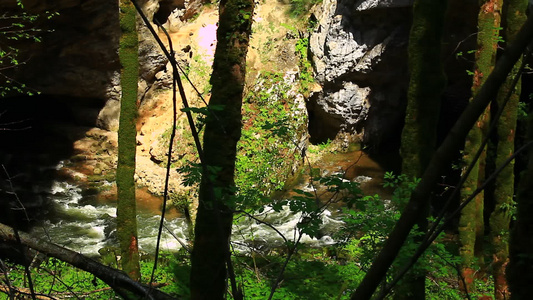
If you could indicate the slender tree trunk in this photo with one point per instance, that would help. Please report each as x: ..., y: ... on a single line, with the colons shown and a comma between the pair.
x: 211, y: 254
x: 126, y: 206
x: 504, y: 185
x: 427, y: 82
x: 471, y: 221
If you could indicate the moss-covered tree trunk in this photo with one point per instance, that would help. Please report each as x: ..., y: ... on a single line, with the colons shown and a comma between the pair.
x: 471, y: 220
x: 427, y: 82
x: 211, y: 254
x: 441, y: 160
x: 126, y: 206
x: 504, y: 186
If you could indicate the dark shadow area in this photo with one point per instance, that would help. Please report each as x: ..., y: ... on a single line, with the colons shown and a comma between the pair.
x: 37, y: 133
x: 74, y: 54
x: 166, y: 7
x: 321, y: 125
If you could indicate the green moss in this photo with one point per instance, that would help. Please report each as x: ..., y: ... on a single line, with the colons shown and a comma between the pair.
x: 221, y: 135
x: 300, y: 8
x: 471, y: 222
x: 427, y: 82
x: 504, y: 185
x: 426, y: 85
x: 127, y: 133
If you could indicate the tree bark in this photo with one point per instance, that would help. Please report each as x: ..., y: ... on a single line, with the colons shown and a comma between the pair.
x: 427, y: 82
x: 504, y: 186
x: 210, y: 254
x: 471, y: 221
x: 442, y: 159
x: 520, y: 268
x: 116, y: 279
x: 127, y: 133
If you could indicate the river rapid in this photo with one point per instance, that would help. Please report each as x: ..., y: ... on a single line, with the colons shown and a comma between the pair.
x: 85, y: 224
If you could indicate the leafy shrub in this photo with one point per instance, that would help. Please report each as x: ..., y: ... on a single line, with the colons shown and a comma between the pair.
x: 267, y: 150
x: 300, y: 8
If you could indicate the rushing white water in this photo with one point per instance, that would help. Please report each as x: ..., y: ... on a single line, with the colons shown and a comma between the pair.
x: 251, y: 233
x: 88, y: 227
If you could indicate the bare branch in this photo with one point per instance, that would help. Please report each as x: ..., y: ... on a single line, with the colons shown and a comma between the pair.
x: 117, y: 280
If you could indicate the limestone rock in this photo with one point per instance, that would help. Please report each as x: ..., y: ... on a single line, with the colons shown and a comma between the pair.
x: 108, y: 116
x: 358, y: 48
x: 373, y: 4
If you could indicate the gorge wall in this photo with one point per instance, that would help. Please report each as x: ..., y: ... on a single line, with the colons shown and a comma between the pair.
x: 357, y: 49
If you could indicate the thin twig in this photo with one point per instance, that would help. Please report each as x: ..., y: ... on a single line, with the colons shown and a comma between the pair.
x: 7, y: 281
x: 169, y: 160
x: 178, y: 239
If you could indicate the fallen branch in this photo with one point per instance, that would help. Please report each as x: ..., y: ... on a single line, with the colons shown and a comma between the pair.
x: 17, y: 292
x: 117, y: 280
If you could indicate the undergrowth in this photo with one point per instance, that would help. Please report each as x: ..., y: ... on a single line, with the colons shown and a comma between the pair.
x: 300, y: 8
x: 267, y: 150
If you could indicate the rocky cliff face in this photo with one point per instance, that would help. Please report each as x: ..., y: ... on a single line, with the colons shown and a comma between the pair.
x: 359, y: 51
x: 78, y: 56
x: 359, y: 54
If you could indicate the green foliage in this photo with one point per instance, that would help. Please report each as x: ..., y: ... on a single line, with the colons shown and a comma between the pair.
x: 58, y: 278
x: 369, y: 220
x: 19, y: 29
x: 61, y: 280
x: 308, y: 276
x: 184, y: 154
x: 300, y: 8
x: 321, y: 148
x: 306, y: 69
x: 402, y: 185
x: 523, y: 110
x: 166, y: 274
x: 267, y: 149
x: 198, y: 71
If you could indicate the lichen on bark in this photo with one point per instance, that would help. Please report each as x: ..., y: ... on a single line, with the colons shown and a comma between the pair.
x: 427, y: 82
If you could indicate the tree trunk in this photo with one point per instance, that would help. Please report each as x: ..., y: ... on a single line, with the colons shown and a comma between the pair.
x: 427, y: 82
x: 127, y: 133
x: 504, y: 185
x: 441, y: 160
x: 520, y: 268
x: 471, y: 221
x: 211, y: 254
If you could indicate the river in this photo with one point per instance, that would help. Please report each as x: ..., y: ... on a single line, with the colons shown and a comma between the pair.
x: 86, y: 224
